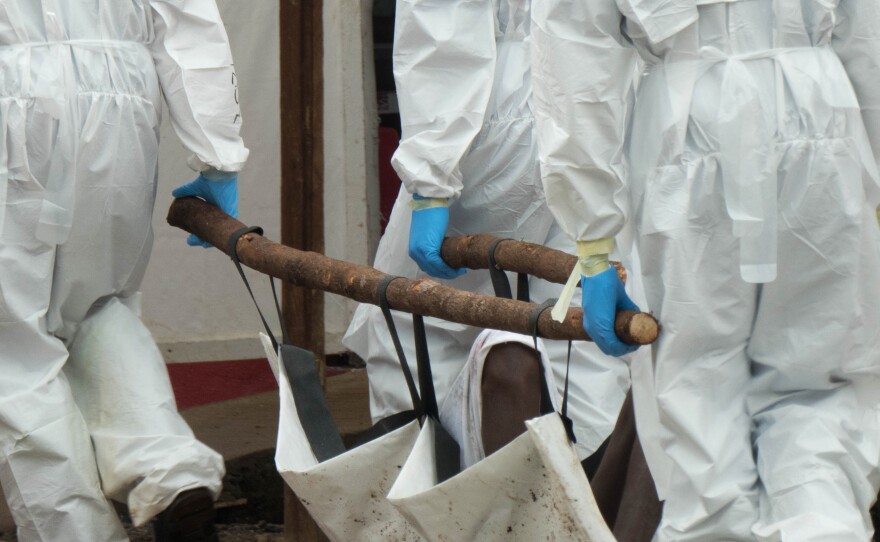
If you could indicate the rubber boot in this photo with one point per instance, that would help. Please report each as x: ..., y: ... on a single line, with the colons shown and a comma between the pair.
x: 189, y: 518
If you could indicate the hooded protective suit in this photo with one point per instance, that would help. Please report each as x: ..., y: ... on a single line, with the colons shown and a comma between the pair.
x: 747, y: 165
x: 84, y: 385
x: 464, y: 87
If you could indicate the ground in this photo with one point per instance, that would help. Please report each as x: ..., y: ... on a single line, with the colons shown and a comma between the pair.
x: 260, y: 532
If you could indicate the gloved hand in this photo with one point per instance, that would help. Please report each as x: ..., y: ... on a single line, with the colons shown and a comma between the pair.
x: 603, y: 295
x: 220, y: 190
x: 430, y: 217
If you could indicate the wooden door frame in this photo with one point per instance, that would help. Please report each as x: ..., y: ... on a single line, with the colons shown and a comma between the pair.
x: 302, y: 193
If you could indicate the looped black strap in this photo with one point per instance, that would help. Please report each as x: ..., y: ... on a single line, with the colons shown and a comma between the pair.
x: 499, y: 278
x: 446, y: 450
x: 535, y: 315
x: 522, y: 288
x: 500, y: 284
x: 238, y: 234
x: 423, y: 361
x: 382, y: 298
x: 447, y: 453
x: 533, y: 328
x: 566, y: 421
x: 301, y: 369
x: 232, y: 250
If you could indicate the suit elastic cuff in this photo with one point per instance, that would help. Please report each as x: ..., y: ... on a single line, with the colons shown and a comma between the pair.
x: 420, y: 203
x: 216, y: 175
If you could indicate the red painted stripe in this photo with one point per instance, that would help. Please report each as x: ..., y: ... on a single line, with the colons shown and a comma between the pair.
x: 207, y: 382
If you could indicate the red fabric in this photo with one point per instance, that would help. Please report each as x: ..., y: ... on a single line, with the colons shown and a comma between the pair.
x: 389, y: 182
x: 207, y: 382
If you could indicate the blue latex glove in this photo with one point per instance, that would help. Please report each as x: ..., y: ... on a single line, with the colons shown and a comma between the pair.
x: 603, y: 295
x: 426, y: 234
x: 221, y: 192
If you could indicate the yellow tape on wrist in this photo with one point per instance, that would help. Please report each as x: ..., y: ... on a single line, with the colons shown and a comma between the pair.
x: 428, y: 203
x: 592, y: 260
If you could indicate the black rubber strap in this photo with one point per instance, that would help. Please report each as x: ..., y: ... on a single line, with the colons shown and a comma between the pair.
x: 500, y: 283
x: 546, y: 402
x: 447, y: 452
x: 314, y: 415
x: 423, y: 362
x: 522, y: 288
x: 533, y: 327
x: 566, y: 421
x: 382, y: 295
x: 233, y: 254
x: 301, y: 369
x: 499, y: 278
x: 535, y: 315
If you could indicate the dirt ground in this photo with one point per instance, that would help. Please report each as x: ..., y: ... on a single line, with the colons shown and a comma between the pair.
x: 228, y: 533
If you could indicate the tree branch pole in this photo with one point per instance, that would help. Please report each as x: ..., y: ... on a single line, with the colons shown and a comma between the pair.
x: 472, y: 252
x: 359, y: 282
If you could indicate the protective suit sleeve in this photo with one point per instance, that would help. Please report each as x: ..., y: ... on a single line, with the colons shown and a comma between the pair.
x: 857, y: 42
x: 444, y: 64
x: 191, y: 52
x: 582, y: 72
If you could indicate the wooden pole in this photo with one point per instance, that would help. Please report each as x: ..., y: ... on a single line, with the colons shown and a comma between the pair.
x: 471, y: 252
x: 361, y: 283
x: 302, y: 194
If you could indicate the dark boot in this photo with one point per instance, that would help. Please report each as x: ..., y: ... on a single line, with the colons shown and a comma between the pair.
x: 189, y: 518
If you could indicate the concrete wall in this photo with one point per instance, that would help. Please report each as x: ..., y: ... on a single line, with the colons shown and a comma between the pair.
x: 194, y: 301
x: 351, y: 203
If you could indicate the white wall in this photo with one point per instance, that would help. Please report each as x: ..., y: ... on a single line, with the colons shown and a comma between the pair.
x: 351, y: 215
x: 194, y: 301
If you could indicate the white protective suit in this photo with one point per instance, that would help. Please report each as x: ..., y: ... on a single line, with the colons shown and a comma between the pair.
x: 745, y: 164
x: 464, y: 87
x: 85, y: 401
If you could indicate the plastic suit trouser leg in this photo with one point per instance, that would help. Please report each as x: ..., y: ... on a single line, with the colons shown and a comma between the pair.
x: 767, y: 393
x: 146, y: 452
x: 815, y: 394
x: 47, y: 465
x: 115, y: 398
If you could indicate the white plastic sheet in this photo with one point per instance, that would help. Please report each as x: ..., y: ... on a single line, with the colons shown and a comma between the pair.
x: 345, y: 495
x: 532, y: 489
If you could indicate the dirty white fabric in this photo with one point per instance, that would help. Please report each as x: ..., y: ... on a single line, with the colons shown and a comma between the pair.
x: 464, y: 85
x: 346, y: 494
x: 532, y: 489
x: 747, y: 164
x: 462, y: 410
x: 81, y: 86
x: 112, y: 346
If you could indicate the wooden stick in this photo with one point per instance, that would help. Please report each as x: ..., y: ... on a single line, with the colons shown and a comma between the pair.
x: 361, y: 283
x: 472, y: 252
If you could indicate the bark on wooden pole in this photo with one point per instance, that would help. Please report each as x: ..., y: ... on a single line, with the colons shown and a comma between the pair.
x: 358, y: 282
x: 471, y: 252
